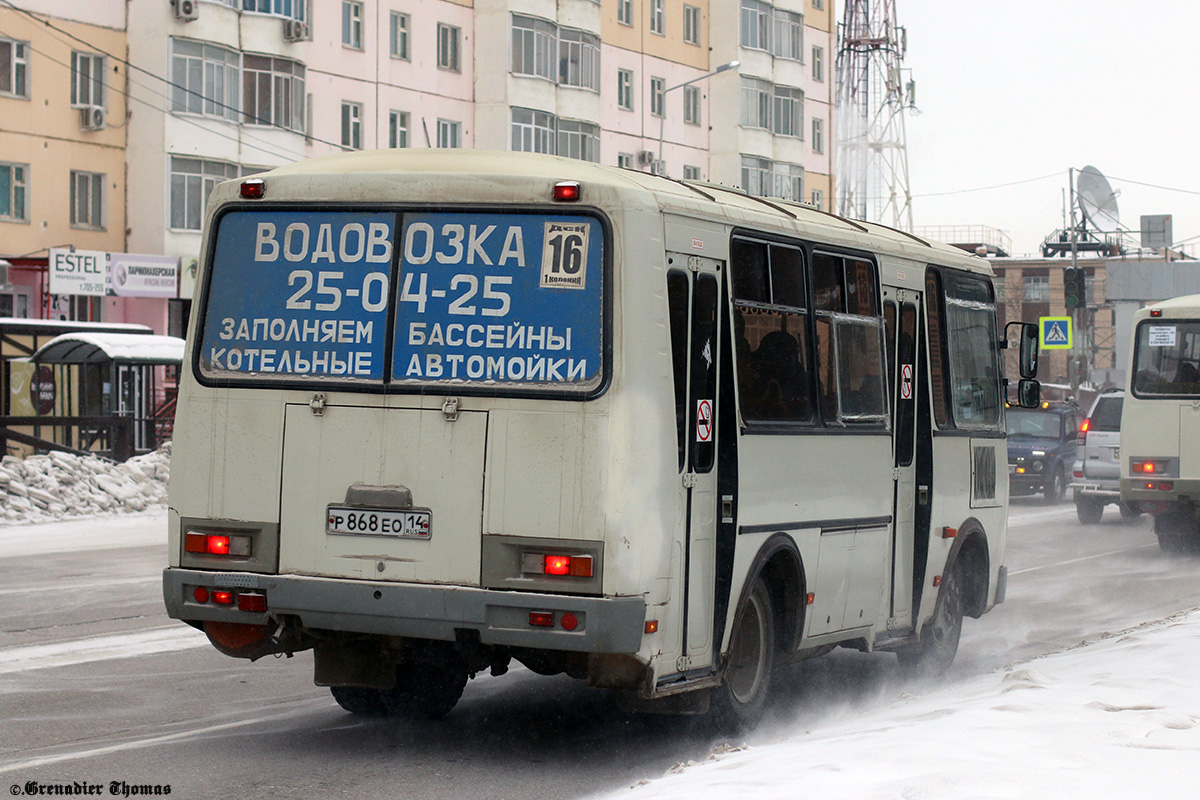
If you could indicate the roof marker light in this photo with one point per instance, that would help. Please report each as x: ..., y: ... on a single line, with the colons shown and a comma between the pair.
x: 567, y: 191
x: 651, y: 626
x: 1156, y: 312
x: 254, y: 188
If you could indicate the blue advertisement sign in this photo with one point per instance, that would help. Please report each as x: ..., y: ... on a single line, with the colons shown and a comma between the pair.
x: 500, y: 298
x: 483, y: 299
x: 299, y: 294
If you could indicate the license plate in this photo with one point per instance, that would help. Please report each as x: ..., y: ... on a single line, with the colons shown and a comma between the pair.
x: 408, y: 524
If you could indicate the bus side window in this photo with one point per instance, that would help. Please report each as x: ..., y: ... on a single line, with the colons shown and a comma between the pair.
x: 771, y: 332
x: 937, y: 348
x: 850, y: 337
x: 677, y: 304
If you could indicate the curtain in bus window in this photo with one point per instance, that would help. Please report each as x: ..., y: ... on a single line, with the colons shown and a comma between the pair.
x: 971, y: 335
x: 1166, y: 359
x: 827, y: 282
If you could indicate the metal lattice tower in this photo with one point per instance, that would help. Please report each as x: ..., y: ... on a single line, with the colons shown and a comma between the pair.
x: 872, y: 156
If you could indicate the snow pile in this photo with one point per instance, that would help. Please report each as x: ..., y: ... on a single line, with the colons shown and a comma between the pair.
x: 58, y: 485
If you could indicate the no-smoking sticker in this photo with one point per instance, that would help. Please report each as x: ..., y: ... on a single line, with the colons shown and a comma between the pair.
x: 906, y: 383
x: 704, y: 428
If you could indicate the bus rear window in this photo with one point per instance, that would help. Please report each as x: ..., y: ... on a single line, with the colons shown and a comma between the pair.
x: 1166, y: 358
x: 472, y: 301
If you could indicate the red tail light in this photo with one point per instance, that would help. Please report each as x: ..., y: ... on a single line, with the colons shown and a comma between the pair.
x: 541, y: 619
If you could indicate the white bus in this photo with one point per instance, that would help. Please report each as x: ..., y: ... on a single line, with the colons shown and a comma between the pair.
x: 446, y: 410
x: 1160, y: 421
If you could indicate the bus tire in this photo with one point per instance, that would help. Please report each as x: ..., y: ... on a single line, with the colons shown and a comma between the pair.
x: 425, y: 689
x: 1089, y: 509
x: 357, y: 700
x: 740, y: 700
x: 1130, y: 510
x: 935, y: 652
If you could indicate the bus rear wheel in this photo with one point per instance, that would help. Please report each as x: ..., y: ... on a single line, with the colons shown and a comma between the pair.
x: 357, y: 700
x: 938, y: 646
x: 740, y: 700
x: 426, y: 689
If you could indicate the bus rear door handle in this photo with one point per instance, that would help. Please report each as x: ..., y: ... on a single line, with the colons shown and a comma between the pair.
x: 923, y: 495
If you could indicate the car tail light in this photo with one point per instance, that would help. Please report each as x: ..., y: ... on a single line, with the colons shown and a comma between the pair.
x: 1147, y: 466
x: 1077, y: 473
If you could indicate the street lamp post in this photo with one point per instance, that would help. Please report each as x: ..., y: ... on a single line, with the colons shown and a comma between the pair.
x: 662, y: 121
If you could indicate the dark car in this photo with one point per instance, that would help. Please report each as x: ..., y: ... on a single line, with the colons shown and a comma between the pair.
x: 1042, y: 449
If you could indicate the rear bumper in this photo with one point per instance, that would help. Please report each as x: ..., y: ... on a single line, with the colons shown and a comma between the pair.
x: 605, y: 624
x: 1108, y: 489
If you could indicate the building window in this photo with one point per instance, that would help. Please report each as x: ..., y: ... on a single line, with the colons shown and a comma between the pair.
x: 192, y: 181
x: 14, y: 192
x: 691, y: 105
x: 447, y: 50
x: 87, y: 79
x: 625, y: 12
x: 756, y: 25
x: 818, y: 5
x: 788, y: 111
x: 206, y: 78
x: 818, y: 63
x: 625, y: 160
x: 578, y: 59
x: 691, y: 173
x: 765, y: 178
x: 756, y: 103
x: 293, y: 9
x: 1037, y: 288
x: 578, y: 139
x: 533, y: 43
x: 273, y: 92
x: 352, y: 125
x: 15, y: 302
x: 352, y: 17
x: 625, y: 89
x: 818, y: 198
x: 398, y: 35
x: 533, y: 131
x: 448, y: 132
x: 787, y: 35
x: 87, y: 200
x: 788, y: 181
x: 818, y: 135
x: 14, y: 68
x: 691, y: 24
x: 657, y: 85
x: 657, y: 23
x: 397, y: 129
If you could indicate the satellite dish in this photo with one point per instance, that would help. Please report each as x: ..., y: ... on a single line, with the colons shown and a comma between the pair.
x: 1097, y: 200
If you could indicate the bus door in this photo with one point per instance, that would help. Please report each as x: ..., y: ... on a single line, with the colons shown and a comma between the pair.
x: 694, y: 296
x: 901, y: 310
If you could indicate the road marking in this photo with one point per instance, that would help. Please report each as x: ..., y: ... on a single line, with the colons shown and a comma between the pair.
x: 153, y: 740
x: 100, y: 583
x: 1083, y: 558
x: 100, y: 648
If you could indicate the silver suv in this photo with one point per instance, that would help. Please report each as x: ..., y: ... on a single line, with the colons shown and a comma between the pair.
x: 1097, y: 473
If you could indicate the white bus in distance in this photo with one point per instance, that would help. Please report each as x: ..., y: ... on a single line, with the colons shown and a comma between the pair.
x: 1160, y: 421
x: 446, y: 410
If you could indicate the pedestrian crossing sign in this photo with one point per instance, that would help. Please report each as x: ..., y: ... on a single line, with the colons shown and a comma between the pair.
x: 1056, y: 333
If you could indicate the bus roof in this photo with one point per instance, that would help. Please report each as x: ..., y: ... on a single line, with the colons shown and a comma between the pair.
x: 1187, y: 306
x: 498, y: 176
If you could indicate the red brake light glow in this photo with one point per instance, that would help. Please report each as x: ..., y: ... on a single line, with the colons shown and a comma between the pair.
x: 567, y: 191
x: 218, y: 545
x: 1086, y: 424
x: 1156, y: 312
x: 254, y: 188
x: 558, y: 565
x: 541, y: 619
x: 574, y: 566
x: 222, y: 597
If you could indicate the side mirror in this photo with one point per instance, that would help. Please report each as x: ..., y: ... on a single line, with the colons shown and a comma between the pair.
x: 1029, y: 392
x: 1027, y: 337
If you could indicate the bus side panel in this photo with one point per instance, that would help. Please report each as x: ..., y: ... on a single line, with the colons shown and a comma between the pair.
x: 224, y: 442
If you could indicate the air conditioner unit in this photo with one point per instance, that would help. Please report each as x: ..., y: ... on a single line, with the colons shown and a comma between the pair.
x: 186, y: 10
x: 645, y: 157
x: 91, y: 118
x: 295, y: 31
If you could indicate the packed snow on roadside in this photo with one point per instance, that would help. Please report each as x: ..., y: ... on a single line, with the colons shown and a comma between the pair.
x: 1114, y: 718
x: 42, y: 488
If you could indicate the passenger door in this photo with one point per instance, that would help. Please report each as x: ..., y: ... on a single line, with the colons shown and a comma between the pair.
x: 901, y: 317
x: 694, y: 297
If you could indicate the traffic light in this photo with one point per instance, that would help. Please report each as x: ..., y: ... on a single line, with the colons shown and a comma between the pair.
x: 1074, y: 287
